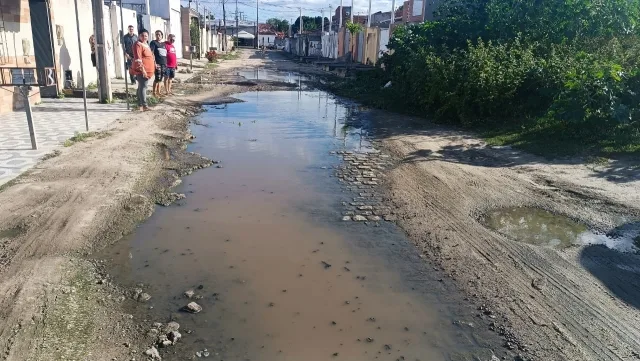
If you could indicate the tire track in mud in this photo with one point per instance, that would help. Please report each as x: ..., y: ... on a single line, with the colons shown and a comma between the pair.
x: 572, y: 318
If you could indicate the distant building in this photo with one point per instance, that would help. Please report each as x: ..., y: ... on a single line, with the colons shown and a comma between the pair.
x: 382, y: 19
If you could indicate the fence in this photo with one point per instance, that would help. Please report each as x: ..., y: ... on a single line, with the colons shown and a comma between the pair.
x: 365, y: 47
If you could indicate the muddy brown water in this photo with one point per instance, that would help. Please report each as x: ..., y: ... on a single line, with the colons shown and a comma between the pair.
x: 543, y: 228
x: 280, y: 275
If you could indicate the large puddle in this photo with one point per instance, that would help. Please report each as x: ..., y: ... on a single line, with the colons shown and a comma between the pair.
x: 539, y: 227
x: 277, y: 272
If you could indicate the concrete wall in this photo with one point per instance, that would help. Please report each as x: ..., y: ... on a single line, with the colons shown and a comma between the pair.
x: 266, y: 39
x: 371, y: 46
x: 129, y: 18
x: 17, y: 51
x: 176, y: 26
x: 383, y: 40
x: 66, y: 39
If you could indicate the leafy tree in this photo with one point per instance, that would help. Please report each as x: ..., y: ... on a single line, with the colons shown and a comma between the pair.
x: 194, y: 33
x: 354, y: 29
x: 280, y: 25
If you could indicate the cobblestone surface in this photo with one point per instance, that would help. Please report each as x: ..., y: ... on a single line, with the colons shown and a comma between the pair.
x: 55, y: 121
x: 361, y: 173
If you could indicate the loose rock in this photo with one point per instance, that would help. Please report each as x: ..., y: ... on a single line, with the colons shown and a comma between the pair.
x: 153, y: 353
x: 193, y: 307
x: 189, y: 293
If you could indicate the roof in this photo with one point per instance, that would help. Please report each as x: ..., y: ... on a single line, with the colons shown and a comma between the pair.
x: 245, y: 35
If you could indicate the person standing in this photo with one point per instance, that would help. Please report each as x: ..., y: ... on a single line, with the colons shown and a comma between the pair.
x: 172, y: 63
x: 143, y: 67
x: 160, y: 52
x: 92, y: 46
x: 129, y: 40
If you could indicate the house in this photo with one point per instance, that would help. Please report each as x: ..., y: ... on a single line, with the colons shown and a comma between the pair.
x: 164, y: 15
x: 382, y: 19
x: 267, y: 34
x: 43, y: 34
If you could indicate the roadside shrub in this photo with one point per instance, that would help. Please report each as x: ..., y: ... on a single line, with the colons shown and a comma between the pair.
x: 211, y: 55
x: 573, y: 65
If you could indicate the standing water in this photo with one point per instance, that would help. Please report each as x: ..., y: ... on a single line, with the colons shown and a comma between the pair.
x: 277, y: 272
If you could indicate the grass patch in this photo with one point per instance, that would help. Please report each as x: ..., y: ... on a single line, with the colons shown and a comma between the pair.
x: 211, y: 65
x: 151, y: 100
x: 53, y: 154
x: 82, y: 137
x: 230, y: 56
x: 92, y: 85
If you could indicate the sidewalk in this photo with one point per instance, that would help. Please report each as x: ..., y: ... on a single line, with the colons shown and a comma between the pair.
x: 55, y: 120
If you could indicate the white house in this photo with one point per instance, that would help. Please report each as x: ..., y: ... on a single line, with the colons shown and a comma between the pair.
x: 167, y: 10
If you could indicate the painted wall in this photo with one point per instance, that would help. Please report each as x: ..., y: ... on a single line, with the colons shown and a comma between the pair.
x: 175, y: 26
x: 384, y: 40
x: 66, y: 39
x: 266, y: 39
x: 129, y: 17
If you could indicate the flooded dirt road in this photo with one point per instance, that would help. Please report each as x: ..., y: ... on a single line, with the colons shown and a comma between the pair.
x: 261, y: 241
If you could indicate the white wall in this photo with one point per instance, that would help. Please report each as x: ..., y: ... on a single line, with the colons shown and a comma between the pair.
x: 67, y: 49
x: 110, y: 46
x: 266, y: 39
x: 384, y: 39
x: 129, y: 18
x: 175, y: 26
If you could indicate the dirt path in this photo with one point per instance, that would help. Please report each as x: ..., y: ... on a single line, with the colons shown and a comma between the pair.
x: 55, y: 304
x: 577, y: 304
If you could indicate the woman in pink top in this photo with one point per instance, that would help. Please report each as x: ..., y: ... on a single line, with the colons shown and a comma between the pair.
x: 172, y: 63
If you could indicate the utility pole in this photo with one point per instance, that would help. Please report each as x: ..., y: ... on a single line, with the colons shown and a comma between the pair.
x: 393, y: 12
x: 206, y: 30
x: 301, y: 24
x: 84, y: 87
x: 199, y: 29
x: 351, y: 10
x: 340, y: 21
x: 257, y: 23
x: 104, y: 83
x: 224, y: 21
x: 322, y: 21
x: 369, y: 16
x: 237, y: 40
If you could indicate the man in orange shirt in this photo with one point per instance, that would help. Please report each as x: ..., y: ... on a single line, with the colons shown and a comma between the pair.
x: 143, y: 67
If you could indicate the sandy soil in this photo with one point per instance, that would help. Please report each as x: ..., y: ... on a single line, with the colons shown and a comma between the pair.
x: 56, y: 304
x: 577, y: 304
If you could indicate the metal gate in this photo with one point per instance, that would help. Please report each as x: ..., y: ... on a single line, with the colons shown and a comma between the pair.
x: 43, y: 42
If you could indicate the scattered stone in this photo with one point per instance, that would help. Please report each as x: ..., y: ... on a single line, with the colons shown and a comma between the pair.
x: 271, y: 304
x: 201, y: 286
x: 373, y: 218
x: 359, y: 218
x: 335, y: 354
x: 346, y: 218
x: 153, y: 353
x: 326, y: 265
x: 144, y: 297
x: 369, y: 339
x: 193, y: 307
x: 174, y: 336
x: 387, y: 347
x: 171, y: 327
x: 189, y: 293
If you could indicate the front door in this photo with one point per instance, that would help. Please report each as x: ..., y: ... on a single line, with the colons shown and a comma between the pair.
x: 42, y: 42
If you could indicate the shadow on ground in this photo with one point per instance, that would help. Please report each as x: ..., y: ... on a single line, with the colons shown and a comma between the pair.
x: 618, y: 272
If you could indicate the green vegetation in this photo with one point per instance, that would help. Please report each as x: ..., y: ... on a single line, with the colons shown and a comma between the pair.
x: 279, y: 24
x: 553, y: 77
x: 230, y: 56
x: 151, y: 100
x: 82, y: 137
x: 194, y: 33
x: 92, y: 85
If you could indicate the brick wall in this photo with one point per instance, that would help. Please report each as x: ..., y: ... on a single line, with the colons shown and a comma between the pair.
x: 17, y: 20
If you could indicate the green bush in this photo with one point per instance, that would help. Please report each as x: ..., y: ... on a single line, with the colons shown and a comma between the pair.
x: 566, y: 65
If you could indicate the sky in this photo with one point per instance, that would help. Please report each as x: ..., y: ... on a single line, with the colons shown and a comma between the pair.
x: 288, y: 9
